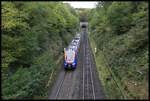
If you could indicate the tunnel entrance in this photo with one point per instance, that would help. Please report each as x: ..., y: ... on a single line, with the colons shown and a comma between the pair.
x: 83, y: 26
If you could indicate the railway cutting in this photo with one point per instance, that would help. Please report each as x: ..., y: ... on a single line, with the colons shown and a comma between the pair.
x: 83, y: 82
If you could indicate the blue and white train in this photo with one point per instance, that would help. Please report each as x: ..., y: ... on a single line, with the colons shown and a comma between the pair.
x: 70, y: 59
x: 70, y: 54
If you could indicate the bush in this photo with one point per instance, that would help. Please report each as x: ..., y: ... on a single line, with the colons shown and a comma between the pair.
x: 33, y: 36
x: 120, y: 31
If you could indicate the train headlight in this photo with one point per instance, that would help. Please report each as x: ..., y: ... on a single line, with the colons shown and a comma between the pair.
x: 65, y: 64
x: 73, y: 63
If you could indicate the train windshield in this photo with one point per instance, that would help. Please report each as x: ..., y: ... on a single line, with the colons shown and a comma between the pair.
x: 69, y: 55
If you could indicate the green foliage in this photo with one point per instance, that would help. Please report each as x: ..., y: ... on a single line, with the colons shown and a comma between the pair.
x: 83, y: 14
x: 33, y: 36
x: 120, y: 31
x: 25, y: 79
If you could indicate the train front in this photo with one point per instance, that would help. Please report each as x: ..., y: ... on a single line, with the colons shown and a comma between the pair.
x: 70, y: 59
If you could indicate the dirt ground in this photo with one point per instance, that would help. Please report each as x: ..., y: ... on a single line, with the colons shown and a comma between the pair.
x: 83, y: 82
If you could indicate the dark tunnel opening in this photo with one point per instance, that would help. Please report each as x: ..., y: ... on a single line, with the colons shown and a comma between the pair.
x: 83, y: 26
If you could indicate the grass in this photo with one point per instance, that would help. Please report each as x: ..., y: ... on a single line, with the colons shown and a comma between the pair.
x: 51, y: 78
x: 127, y: 72
x: 110, y: 88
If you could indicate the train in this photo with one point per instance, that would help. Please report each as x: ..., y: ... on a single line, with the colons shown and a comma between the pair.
x: 70, y: 59
x: 70, y: 54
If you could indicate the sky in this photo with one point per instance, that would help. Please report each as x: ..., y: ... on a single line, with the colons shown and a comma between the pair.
x: 82, y: 4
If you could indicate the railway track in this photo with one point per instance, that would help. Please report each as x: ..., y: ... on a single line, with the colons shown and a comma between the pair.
x: 88, y: 91
x: 82, y: 83
x: 64, y: 86
x: 58, y: 90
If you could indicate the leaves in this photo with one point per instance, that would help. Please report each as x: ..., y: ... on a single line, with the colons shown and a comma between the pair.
x: 33, y: 33
x: 120, y: 30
